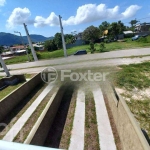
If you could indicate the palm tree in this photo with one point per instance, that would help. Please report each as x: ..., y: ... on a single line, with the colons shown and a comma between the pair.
x: 3, y: 63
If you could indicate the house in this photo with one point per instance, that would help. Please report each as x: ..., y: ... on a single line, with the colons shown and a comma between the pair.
x: 38, y: 47
x: 142, y: 27
x: 128, y: 32
x: 15, y: 48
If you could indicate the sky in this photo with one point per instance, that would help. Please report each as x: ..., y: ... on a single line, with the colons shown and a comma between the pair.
x: 41, y: 16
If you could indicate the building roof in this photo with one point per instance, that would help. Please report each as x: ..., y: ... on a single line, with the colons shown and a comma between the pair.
x: 127, y: 32
x: 18, y: 46
x: 20, y: 51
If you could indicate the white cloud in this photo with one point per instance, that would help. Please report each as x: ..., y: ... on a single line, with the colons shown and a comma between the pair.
x: 92, y: 12
x: 85, y: 14
x: 130, y: 11
x: 2, y: 2
x: 18, y: 17
x: 52, y: 20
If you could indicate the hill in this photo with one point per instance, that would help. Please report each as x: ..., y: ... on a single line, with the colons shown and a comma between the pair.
x: 11, y: 39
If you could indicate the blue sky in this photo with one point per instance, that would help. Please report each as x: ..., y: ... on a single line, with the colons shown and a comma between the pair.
x: 41, y: 16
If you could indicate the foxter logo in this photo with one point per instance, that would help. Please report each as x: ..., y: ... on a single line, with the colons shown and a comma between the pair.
x: 49, y: 75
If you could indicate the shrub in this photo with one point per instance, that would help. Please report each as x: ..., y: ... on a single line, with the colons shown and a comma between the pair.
x: 39, y: 56
x: 143, y: 40
x: 102, y: 47
x: 92, y: 49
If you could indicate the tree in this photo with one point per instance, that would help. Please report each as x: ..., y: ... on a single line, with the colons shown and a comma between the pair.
x: 116, y: 28
x: 113, y: 30
x: 91, y: 34
x: 133, y: 22
x: 50, y: 45
x: 58, y: 40
x: 121, y: 27
x: 69, y: 38
x: 104, y: 26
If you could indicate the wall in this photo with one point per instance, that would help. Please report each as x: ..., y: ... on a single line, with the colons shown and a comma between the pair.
x: 77, y: 43
x: 129, y: 131
x: 43, y: 130
x: 8, y: 103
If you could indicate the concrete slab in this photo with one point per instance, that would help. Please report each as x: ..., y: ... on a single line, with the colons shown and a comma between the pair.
x: 106, y: 139
x: 77, y: 136
x: 22, y: 120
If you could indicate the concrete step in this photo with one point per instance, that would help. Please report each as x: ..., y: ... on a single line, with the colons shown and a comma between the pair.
x: 11, y: 134
x: 77, y: 137
x: 106, y: 138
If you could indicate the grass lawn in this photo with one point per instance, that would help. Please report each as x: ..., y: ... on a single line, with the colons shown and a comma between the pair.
x: 134, y: 80
x: 134, y: 76
x: 8, y: 90
x: 128, y: 44
x: 45, y: 55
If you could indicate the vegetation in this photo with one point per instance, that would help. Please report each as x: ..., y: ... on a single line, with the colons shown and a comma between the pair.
x: 8, y: 90
x: 91, y: 34
x: 134, y: 79
x: 141, y: 111
x: 50, y: 45
x: 56, y: 43
x: 92, y: 48
x: 134, y: 76
x: 102, y: 47
x: 104, y: 26
x: 128, y: 44
x: 91, y: 131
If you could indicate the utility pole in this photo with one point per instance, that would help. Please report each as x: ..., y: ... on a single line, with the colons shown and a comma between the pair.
x: 4, y: 66
x: 23, y: 44
x: 30, y: 43
x: 62, y: 35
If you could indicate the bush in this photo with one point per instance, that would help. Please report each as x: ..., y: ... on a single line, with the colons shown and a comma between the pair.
x: 143, y: 40
x: 29, y: 50
x: 39, y: 56
x: 106, y: 40
x: 102, y: 47
x: 92, y: 49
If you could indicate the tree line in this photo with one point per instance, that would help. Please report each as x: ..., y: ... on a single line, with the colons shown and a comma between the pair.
x: 111, y: 30
x: 91, y: 34
x: 56, y: 43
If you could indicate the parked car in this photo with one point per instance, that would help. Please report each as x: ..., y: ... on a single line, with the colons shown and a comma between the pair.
x: 80, y: 52
x: 144, y: 35
x: 135, y: 37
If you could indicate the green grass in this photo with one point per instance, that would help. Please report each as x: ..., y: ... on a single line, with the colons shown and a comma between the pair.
x: 29, y: 75
x: 45, y: 55
x: 91, y: 139
x: 17, y: 59
x: 134, y: 75
x: 141, y: 112
x: 129, y: 77
x: 128, y: 44
x: 8, y: 90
